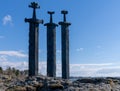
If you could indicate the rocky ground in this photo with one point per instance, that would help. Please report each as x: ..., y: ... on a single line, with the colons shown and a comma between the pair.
x: 42, y: 83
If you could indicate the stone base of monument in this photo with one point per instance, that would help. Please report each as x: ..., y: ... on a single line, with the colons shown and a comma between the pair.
x: 42, y: 83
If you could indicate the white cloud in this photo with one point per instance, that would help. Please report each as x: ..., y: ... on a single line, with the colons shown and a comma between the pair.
x: 13, y: 53
x: 101, y: 64
x: 7, y: 20
x: 3, y: 58
x: 43, y: 68
x: 79, y: 49
x: 17, y: 65
x: 95, y: 70
x: 84, y: 70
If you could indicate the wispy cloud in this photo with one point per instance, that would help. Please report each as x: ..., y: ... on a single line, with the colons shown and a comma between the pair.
x: 90, y: 69
x: 13, y: 53
x: 84, y: 70
x: 7, y: 20
x: 3, y: 58
x: 79, y: 49
x: 6, y: 61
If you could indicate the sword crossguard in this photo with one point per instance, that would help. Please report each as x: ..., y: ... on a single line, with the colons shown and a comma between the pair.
x: 41, y: 21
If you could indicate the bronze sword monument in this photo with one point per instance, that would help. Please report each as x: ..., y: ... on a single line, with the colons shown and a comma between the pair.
x: 65, y: 45
x: 51, y: 47
x: 33, y: 40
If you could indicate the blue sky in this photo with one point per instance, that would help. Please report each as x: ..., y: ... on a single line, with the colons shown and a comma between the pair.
x: 94, y: 35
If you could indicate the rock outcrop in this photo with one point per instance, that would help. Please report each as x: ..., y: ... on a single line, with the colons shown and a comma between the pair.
x: 42, y: 83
